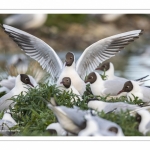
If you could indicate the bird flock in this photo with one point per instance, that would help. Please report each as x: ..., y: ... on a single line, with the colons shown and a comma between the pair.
x: 73, y: 77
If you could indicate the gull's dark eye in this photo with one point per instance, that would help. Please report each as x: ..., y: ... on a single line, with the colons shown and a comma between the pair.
x: 70, y: 57
x: 67, y: 80
x: 26, y: 79
x: 91, y: 77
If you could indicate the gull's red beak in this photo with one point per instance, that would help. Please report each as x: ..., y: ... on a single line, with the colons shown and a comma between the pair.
x: 120, y: 92
x: 98, y: 68
x: 31, y: 84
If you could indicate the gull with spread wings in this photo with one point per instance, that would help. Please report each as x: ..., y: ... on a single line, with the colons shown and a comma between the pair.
x: 88, y: 61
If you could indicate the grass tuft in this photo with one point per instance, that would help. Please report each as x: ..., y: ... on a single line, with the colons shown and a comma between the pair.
x: 33, y: 116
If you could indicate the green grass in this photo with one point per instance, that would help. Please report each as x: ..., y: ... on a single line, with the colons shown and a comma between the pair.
x: 33, y: 116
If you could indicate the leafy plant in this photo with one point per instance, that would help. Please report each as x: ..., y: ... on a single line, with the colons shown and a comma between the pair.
x: 33, y: 116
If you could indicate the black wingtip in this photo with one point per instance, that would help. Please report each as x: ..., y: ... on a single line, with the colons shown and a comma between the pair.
x: 142, y: 30
x: 142, y: 78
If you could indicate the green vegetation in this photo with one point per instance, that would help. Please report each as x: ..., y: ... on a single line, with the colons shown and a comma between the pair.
x: 33, y: 116
x: 62, y: 21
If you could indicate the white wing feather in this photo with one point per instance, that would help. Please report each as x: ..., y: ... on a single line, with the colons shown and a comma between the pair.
x: 103, y: 50
x: 36, y: 49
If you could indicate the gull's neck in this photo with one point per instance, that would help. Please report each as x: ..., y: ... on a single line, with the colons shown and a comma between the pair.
x: 136, y: 91
x: 97, y: 85
x: 8, y: 117
x: 110, y: 72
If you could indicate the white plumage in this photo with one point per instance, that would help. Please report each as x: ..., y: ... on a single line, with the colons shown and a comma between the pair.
x: 19, y: 87
x: 137, y: 91
x: 58, y: 128
x: 6, y: 123
x: 88, y: 61
x: 26, y: 21
x: 107, y: 107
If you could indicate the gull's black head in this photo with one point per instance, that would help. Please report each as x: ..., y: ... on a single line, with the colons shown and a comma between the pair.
x: 128, y: 87
x: 91, y: 78
x: 104, y: 67
x: 66, y: 81
x: 52, y: 131
x: 25, y: 79
x: 138, y: 118
x: 69, y: 59
x: 113, y: 129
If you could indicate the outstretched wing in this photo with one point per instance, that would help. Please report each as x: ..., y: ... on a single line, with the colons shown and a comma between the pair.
x: 36, y: 49
x: 103, y: 50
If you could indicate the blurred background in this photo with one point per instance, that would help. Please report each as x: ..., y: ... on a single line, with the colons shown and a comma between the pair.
x: 75, y: 32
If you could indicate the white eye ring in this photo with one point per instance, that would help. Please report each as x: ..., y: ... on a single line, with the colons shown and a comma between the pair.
x: 91, y: 77
x: 128, y: 86
x: 26, y: 79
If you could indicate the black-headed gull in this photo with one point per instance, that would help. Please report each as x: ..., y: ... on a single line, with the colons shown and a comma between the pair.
x: 71, y: 119
x: 22, y: 83
x: 95, y: 124
x: 6, y: 123
x: 9, y: 83
x: 100, y: 87
x: 134, y: 90
x: 67, y: 86
x: 143, y: 118
x: 92, y: 129
x: 88, y: 61
x: 107, y: 107
x: 26, y: 21
x: 109, y: 70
